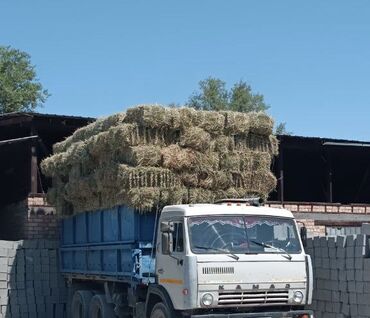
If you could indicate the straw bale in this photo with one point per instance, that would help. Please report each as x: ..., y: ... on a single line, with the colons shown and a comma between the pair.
x: 274, y: 145
x: 150, y: 177
x: 189, y: 179
x: 153, y: 116
x: 196, y: 138
x: 222, y: 144
x: 230, y: 161
x: 236, y: 122
x: 189, y: 117
x: 143, y: 199
x: 206, y: 162
x: 144, y: 156
x: 221, y: 180
x: 89, y: 130
x: 199, y: 195
x: 212, y: 122
x: 177, y: 158
x: 261, y: 123
x: 254, y: 161
x: 80, y: 188
x: 172, y: 196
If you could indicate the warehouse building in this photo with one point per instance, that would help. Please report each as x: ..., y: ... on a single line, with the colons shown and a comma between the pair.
x: 25, y: 139
x: 324, y: 182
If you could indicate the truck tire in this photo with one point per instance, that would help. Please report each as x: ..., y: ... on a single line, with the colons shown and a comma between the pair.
x: 80, y: 304
x: 160, y: 310
x: 99, y: 308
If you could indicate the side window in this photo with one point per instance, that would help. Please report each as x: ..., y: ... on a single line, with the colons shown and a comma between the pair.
x: 178, y: 237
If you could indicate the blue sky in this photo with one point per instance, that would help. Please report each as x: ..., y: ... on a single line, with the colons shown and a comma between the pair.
x: 310, y: 59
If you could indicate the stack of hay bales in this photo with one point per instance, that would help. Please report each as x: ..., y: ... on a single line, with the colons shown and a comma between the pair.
x: 152, y: 155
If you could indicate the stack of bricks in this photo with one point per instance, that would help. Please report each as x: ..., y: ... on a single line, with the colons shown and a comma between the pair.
x: 41, y: 219
x: 30, y: 282
x: 341, y: 276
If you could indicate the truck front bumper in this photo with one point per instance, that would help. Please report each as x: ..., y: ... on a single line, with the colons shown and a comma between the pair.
x: 289, y: 314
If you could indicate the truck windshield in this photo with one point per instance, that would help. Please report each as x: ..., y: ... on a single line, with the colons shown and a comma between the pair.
x: 243, y: 234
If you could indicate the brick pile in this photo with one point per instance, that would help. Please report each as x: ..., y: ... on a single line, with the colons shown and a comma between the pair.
x: 30, y: 282
x: 341, y: 276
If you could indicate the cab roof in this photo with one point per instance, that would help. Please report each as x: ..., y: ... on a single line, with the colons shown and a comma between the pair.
x: 223, y: 209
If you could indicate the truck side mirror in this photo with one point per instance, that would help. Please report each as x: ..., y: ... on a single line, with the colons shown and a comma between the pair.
x: 167, y: 227
x: 303, y: 232
x: 167, y: 243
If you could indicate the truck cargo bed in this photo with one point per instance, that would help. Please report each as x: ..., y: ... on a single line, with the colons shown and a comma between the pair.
x: 112, y: 243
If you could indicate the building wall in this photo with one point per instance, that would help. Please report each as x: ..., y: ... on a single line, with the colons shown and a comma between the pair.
x: 32, y: 218
x: 318, y: 216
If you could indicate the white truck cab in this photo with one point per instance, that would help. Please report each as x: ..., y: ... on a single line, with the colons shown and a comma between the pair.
x: 231, y: 260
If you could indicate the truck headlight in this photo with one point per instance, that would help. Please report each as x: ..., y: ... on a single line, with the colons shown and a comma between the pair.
x: 297, y: 297
x: 207, y: 299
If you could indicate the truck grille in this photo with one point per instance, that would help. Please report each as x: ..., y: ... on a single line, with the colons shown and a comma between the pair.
x: 218, y: 270
x: 253, y: 298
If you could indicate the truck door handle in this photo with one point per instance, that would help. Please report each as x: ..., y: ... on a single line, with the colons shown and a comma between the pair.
x: 160, y: 271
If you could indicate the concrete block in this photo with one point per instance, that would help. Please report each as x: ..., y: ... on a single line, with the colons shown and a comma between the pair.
x: 350, y: 251
x: 359, y: 263
x: 364, y: 310
x: 359, y: 275
x: 365, y: 228
x: 350, y: 263
x: 350, y: 274
x: 350, y: 240
x: 361, y: 251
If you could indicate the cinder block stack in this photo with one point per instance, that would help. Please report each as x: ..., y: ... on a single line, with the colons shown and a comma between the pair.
x: 341, y: 276
x: 30, y: 283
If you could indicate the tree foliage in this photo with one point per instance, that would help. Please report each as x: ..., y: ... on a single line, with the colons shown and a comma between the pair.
x: 20, y: 89
x: 213, y: 95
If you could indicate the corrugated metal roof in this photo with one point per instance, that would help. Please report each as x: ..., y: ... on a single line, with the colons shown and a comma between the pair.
x: 41, y: 115
x: 320, y: 139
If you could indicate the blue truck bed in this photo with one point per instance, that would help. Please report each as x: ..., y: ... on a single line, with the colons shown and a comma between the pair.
x: 115, y: 244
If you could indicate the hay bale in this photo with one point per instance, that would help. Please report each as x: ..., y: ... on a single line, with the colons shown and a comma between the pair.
x: 212, y: 122
x: 199, y: 195
x: 179, y: 159
x: 274, y: 145
x: 152, y: 116
x: 89, y: 130
x: 261, y: 123
x: 146, y: 177
x: 236, y: 123
x: 146, y: 156
x: 222, y: 144
x: 189, y: 179
x: 143, y: 199
x: 230, y: 161
x: 159, y: 156
x: 189, y: 117
x: 196, y: 138
x: 173, y: 196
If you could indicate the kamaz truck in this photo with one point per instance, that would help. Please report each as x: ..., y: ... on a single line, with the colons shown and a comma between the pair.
x: 231, y: 259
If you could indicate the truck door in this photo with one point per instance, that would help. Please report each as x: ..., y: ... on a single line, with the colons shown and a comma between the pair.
x: 170, y: 268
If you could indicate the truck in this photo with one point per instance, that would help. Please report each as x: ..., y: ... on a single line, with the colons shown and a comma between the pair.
x: 231, y: 259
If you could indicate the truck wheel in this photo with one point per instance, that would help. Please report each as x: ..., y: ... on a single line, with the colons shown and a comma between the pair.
x: 99, y: 308
x: 80, y: 304
x: 160, y: 310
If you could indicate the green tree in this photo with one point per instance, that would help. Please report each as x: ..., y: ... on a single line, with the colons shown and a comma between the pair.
x: 213, y: 95
x: 242, y: 99
x: 280, y: 129
x: 20, y: 89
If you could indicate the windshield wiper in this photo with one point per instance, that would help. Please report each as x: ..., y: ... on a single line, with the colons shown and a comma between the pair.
x: 287, y: 255
x: 232, y: 255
